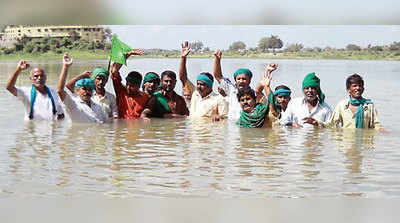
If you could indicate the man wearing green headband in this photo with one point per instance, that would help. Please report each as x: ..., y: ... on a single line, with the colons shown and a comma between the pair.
x: 151, y: 82
x: 100, y: 96
x: 206, y: 103
x: 310, y: 110
x: 355, y: 111
x: 40, y: 102
x: 79, y: 108
x: 166, y: 103
x: 277, y: 100
x: 131, y: 101
x: 242, y: 79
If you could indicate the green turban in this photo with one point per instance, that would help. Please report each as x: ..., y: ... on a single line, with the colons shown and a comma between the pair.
x: 100, y: 71
x: 151, y: 76
x: 85, y: 82
x: 313, y: 81
x: 243, y: 71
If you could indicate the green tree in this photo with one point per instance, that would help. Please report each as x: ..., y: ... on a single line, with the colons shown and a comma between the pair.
x: 237, y: 46
x: 272, y: 42
x: 394, y: 46
x: 296, y: 47
x: 353, y: 47
x: 197, y: 46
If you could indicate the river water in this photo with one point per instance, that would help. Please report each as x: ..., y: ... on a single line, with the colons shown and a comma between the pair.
x: 181, y: 158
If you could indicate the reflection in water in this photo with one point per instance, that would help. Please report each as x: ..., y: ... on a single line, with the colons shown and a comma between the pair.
x: 196, y: 158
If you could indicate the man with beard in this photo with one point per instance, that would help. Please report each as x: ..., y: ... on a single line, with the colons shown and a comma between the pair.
x: 130, y: 100
x: 356, y: 111
x: 310, y: 109
x: 206, y: 103
x: 166, y: 103
x: 253, y: 115
x: 40, y: 101
x: 242, y: 79
x: 80, y: 108
x: 151, y: 82
x: 100, y: 96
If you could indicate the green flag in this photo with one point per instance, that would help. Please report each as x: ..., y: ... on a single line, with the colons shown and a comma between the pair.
x: 118, y: 51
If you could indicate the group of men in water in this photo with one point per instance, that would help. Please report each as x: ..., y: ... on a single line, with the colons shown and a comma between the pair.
x: 85, y: 99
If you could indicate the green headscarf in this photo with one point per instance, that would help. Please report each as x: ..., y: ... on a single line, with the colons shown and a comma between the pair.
x: 313, y: 81
x: 243, y: 71
x: 255, y: 119
x: 100, y: 71
x: 85, y: 82
x: 151, y: 76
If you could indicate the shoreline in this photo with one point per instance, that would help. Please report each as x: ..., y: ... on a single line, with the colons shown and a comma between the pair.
x: 102, y: 55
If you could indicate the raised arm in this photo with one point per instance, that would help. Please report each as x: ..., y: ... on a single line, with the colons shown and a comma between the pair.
x: 22, y: 65
x: 67, y: 62
x: 217, y: 66
x: 71, y: 84
x: 182, y: 68
x: 265, y: 81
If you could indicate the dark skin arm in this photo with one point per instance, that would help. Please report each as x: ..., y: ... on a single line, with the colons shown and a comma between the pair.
x: 182, y: 68
x: 71, y: 84
x: 67, y: 62
x: 217, y: 66
x: 22, y: 65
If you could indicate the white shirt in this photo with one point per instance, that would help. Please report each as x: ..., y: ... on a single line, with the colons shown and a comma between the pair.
x: 231, y: 91
x: 79, y: 111
x: 212, y: 104
x: 43, y: 109
x: 108, y: 103
x: 298, y: 109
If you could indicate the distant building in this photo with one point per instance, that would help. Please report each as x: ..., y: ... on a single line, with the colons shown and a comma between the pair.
x: 14, y: 32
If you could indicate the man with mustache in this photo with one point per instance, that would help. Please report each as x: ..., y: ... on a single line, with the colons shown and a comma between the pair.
x: 253, y: 115
x: 80, y: 108
x: 205, y: 102
x: 310, y: 110
x: 242, y: 79
x: 100, y: 96
x: 40, y: 101
x: 356, y: 111
x: 166, y: 103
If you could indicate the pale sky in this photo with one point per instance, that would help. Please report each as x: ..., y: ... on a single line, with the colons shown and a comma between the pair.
x: 221, y: 36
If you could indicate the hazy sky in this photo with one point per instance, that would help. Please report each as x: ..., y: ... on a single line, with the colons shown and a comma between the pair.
x: 221, y: 36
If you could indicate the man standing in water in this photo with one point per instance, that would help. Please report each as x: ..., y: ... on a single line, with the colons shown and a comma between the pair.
x: 80, y: 108
x: 166, y: 103
x: 242, y: 79
x: 356, y: 111
x: 253, y: 115
x: 40, y: 101
x: 130, y: 99
x: 310, y: 109
x: 100, y: 96
x: 206, y: 103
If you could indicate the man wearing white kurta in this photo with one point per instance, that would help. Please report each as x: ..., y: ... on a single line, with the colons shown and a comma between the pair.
x: 40, y: 101
x: 82, y: 108
x: 310, y: 110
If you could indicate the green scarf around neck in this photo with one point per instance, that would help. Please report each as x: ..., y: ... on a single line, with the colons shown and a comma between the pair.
x: 255, y: 119
x: 360, y: 111
x: 162, y: 101
x: 33, y: 99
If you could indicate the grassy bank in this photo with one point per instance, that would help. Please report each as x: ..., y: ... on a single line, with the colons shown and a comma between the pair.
x: 103, y: 54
